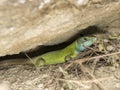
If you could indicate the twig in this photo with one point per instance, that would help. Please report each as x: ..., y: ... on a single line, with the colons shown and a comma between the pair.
x: 86, y: 81
x: 100, y: 85
x: 32, y: 62
x: 96, y: 57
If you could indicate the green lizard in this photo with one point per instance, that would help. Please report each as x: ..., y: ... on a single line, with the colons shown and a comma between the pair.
x: 59, y: 56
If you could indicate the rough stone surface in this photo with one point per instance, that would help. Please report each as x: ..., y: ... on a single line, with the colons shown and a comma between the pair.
x: 26, y: 24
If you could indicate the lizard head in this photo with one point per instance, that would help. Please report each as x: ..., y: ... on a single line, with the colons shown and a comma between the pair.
x: 83, y: 42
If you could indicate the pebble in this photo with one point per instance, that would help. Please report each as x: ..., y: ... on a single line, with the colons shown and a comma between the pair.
x: 110, y: 48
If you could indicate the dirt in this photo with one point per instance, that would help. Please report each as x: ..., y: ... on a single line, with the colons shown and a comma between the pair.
x: 100, y: 73
x: 97, y: 73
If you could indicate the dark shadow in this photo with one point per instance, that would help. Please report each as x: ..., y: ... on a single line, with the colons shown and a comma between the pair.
x: 43, y: 49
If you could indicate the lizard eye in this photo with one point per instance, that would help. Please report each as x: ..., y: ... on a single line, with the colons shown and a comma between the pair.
x: 85, y: 39
x: 40, y: 62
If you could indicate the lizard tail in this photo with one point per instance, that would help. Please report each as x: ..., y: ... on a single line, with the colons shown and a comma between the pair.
x: 4, y: 63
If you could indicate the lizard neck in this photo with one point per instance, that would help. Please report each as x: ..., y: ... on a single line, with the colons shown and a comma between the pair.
x: 83, y: 46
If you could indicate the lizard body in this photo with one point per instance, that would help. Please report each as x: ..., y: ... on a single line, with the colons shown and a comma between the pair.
x: 59, y: 56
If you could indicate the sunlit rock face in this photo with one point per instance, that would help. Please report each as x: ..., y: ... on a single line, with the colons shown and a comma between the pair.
x: 5, y: 85
x: 26, y: 24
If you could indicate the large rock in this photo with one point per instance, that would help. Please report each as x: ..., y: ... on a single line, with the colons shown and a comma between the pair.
x: 26, y: 24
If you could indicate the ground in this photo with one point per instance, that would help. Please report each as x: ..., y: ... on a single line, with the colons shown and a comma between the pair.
x: 101, y: 71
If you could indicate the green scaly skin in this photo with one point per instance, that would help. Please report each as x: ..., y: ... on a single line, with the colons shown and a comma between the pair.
x: 66, y: 54
x: 55, y: 57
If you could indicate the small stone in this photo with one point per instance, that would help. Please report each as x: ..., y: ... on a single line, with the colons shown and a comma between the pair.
x: 46, y: 88
x: 96, y: 1
x: 82, y: 2
x: 40, y: 86
x: 22, y: 1
x: 106, y: 40
x: 110, y: 48
x: 101, y: 47
x: 116, y: 65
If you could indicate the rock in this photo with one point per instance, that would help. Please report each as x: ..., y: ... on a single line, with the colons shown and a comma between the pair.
x: 5, y: 85
x: 110, y: 48
x: 26, y: 24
